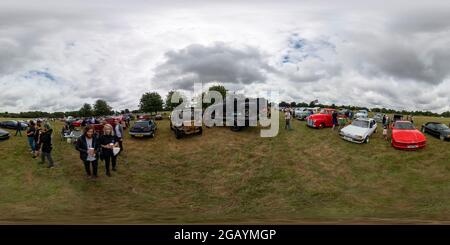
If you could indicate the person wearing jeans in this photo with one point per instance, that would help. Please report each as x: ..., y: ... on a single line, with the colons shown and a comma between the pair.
x: 30, y: 135
x: 88, y: 147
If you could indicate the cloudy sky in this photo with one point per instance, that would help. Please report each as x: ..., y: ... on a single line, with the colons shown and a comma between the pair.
x: 57, y: 55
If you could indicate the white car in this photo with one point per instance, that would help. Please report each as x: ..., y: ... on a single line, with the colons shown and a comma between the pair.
x: 359, y: 131
x: 362, y: 114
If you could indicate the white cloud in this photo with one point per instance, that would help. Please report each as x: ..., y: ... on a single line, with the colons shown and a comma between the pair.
x: 57, y: 55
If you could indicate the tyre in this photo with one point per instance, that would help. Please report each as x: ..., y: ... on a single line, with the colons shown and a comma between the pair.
x: 235, y: 128
x: 152, y: 135
x: 178, y: 134
x: 322, y: 125
x: 442, y: 137
x: 200, y: 131
x: 423, y: 130
x: 366, y: 140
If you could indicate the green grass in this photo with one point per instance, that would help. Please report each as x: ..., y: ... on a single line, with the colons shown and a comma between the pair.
x: 303, y: 175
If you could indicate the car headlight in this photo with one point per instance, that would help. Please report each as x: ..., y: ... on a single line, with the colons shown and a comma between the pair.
x: 359, y: 137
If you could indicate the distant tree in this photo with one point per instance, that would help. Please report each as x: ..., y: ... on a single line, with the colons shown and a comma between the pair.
x: 293, y: 104
x: 101, y: 108
x: 283, y: 104
x: 127, y: 111
x: 86, y: 110
x: 168, y: 103
x: 302, y: 104
x: 219, y: 88
x: 151, y: 102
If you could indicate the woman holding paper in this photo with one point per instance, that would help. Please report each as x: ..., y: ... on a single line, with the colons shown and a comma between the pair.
x: 110, y: 148
x: 88, y: 147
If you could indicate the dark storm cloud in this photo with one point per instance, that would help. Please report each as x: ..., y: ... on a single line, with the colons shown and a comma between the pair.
x: 218, y: 62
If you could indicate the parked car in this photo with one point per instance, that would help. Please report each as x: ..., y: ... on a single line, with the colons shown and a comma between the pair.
x: 189, y: 126
x: 12, y: 124
x: 436, y: 129
x: 302, y: 115
x: 378, y: 117
x: 143, y: 128
x: 406, y: 136
x: 322, y: 119
x: 362, y: 114
x: 397, y: 117
x: 231, y: 118
x: 4, y: 134
x: 77, y: 123
x: 359, y: 131
x: 158, y: 117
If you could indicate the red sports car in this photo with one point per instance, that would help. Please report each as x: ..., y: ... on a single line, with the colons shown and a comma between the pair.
x: 406, y: 136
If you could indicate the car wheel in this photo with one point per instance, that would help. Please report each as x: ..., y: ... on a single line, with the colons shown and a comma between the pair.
x: 423, y: 130
x: 366, y: 140
x: 178, y: 134
x: 442, y: 137
x: 152, y: 135
x: 322, y: 125
x: 235, y: 128
x: 200, y: 131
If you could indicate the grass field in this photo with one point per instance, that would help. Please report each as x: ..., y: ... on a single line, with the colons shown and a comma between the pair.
x: 300, y: 176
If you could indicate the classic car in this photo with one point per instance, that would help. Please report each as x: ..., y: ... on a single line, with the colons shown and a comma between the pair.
x: 397, y: 117
x: 302, y: 115
x: 143, y: 128
x: 4, y: 134
x: 362, y: 114
x: 240, y: 117
x: 406, y: 136
x: 189, y: 125
x: 321, y: 120
x: 378, y: 117
x: 436, y: 129
x: 12, y: 124
x: 359, y: 131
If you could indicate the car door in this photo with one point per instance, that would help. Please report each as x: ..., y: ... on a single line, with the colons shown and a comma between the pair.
x: 431, y: 128
x: 373, y: 126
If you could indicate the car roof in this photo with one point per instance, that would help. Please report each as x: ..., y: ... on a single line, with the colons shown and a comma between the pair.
x: 364, y: 119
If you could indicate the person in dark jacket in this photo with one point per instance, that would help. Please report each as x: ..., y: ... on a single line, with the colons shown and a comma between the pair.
x: 334, y: 119
x: 37, y: 136
x: 46, y: 145
x: 108, y: 141
x: 88, y: 147
x: 19, y: 128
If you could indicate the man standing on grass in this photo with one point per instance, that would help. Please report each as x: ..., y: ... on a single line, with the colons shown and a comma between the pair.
x: 19, y: 128
x: 118, y: 131
x: 287, y: 117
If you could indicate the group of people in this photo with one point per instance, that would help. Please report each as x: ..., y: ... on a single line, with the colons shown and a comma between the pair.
x: 39, y: 136
x: 106, y: 146
x: 92, y: 146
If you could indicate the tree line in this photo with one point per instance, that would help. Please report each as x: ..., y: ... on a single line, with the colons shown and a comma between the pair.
x: 375, y: 109
x: 152, y: 102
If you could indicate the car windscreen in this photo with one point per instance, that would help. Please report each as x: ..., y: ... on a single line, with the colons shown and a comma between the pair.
x: 404, y: 125
x: 441, y: 126
x: 360, y: 123
x: 141, y: 124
